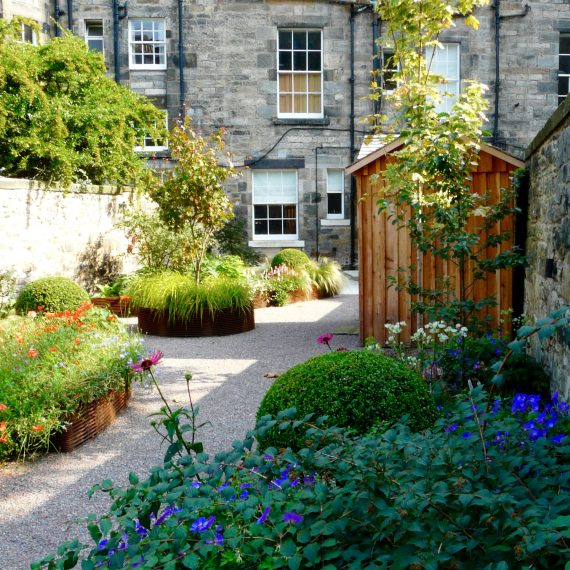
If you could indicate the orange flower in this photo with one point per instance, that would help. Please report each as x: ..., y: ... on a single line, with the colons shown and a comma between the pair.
x: 32, y: 353
x: 38, y: 428
x: 3, y: 407
x: 19, y: 338
x: 2, y: 426
x: 111, y: 318
x: 40, y: 308
x: 52, y: 349
x: 4, y: 438
x: 77, y: 341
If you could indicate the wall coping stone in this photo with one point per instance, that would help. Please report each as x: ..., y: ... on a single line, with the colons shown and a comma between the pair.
x: 555, y: 121
x: 24, y: 183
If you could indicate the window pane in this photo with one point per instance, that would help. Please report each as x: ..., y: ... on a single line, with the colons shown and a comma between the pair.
x: 300, y: 103
x: 260, y: 227
x: 94, y: 29
x: 286, y: 103
x: 300, y: 60
x: 300, y: 83
x: 300, y: 40
x: 314, y: 103
x: 286, y: 83
x: 314, y: 61
x: 314, y: 83
x: 260, y: 211
x: 290, y: 211
x: 314, y: 40
x: 96, y: 45
x: 565, y: 63
x: 285, y: 40
x: 565, y: 43
x: 334, y: 203
x: 284, y: 60
x: 563, y: 86
x: 275, y: 211
x: 335, y: 179
x: 289, y: 227
x: 275, y: 227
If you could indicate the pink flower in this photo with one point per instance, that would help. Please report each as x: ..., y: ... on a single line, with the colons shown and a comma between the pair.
x: 325, y: 338
x: 148, y: 362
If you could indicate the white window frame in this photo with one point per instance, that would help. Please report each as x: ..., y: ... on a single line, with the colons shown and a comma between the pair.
x: 339, y: 216
x: 280, y: 73
x: 447, y: 102
x: 260, y: 202
x: 23, y: 27
x: 153, y: 148
x: 94, y: 22
x: 561, y: 97
x: 159, y: 24
x: 386, y: 54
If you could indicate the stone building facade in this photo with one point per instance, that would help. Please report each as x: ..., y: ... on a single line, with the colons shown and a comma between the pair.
x: 288, y: 80
x: 547, y: 284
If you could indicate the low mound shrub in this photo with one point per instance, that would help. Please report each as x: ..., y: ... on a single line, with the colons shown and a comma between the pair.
x: 54, y: 294
x: 291, y: 258
x: 355, y: 389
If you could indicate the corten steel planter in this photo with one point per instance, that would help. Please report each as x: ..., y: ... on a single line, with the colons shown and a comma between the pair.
x: 119, y: 305
x: 221, y: 323
x: 91, y: 420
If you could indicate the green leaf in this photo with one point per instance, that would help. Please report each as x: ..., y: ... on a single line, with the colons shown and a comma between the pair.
x: 294, y: 563
x: 311, y: 552
x: 497, y: 379
x: 191, y: 561
x: 517, y: 346
x: 288, y: 547
x: 546, y: 331
x: 133, y: 478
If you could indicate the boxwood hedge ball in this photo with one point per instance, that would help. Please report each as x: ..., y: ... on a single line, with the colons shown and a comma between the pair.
x: 355, y: 389
x: 54, y: 294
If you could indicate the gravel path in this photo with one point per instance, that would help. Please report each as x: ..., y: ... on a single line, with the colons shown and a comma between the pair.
x: 40, y: 501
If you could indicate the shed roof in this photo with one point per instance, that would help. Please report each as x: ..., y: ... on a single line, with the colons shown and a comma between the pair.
x: 378, y: 148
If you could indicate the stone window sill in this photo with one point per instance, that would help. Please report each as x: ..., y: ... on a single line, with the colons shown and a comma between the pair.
x: 277, y: 243
x: 334, y: 222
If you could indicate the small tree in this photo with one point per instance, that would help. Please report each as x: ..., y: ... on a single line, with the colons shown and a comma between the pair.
x: 193, y: 198
x: 427, y: 188
x: 62, y: 119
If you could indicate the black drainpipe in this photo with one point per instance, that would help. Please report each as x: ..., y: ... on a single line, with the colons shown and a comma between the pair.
x: 116, y: 55
x: 317, y: 201
x: 352, y: 144
x: 497, y: 7
x: 56, y: 17
x: 181, y: 61
x: 376, y: 63
x: 70, y: 14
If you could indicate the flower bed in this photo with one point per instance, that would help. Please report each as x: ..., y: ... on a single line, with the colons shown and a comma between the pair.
x: 118, y: 304
x: 53, y: 364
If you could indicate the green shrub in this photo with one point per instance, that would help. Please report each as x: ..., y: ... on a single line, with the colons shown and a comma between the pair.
x: 232, y: 239
x: 355, y: 389
x: 7, y: 290
x: 291, y: 258
x: 54, y: 294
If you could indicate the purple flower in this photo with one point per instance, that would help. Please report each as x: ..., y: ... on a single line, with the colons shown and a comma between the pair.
x: 147, y: 363
x: 325, y: 338
x: 496, y: 406
x: 202, y: 523
x: 451, y: 427
x: 196, y: 484
x: 219, y: 538
x: 263, y: 516
x: 557, y: 438
x: 140, y: 529
x: 292, y: 517
x: 245, y: 485
x: 244, y: 495
x: 466, y: 435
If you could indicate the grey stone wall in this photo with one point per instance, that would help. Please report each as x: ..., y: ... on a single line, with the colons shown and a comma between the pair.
x: 547, y: 285
x: 51, y: 231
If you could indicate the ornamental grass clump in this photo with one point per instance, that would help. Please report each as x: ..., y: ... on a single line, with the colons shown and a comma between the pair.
x: 354, y: 389
x: 180, y: 297
x: 482, y: 494
x: 51, y: 364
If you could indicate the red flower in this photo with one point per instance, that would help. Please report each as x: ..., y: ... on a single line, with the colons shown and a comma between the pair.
x: 4, y: 438
x: 148, y: 362
x: 38, y: 428
x: 32, y: 353
x: 3, y: 407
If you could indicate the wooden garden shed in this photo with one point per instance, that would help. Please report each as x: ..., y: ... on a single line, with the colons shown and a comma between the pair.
x: 383, y: 248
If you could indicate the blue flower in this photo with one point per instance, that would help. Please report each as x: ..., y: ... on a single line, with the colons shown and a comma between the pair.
x: 263, y: 516
x: 202, y: 524
x: 451, y: 427
x: 245, y: 485
x: 293, y: 517
x: 466, y: 435
x: 557, y: 438
x: 196, y: 484
x: 496, y: 406
x: 244, y: 495
x: 102, y: 544
x: 140, y: 529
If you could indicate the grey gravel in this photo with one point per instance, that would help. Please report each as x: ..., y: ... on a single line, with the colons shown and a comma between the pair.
x: 41, y: 501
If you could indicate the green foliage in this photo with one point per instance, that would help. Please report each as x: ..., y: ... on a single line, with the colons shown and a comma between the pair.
x: 232, y: 266
x: 54, y: 294
x: 291, y: 258
x: 157, y: 245
x: 355, y: 389
x: 427, y: 187
x: 231, y: 239
x: 116, y: 288
x: 461, y: 495
x: 62, y: 119
x: 193, y: 198
x: 327, y: 277
x: 7, y: 291
x: 182, y: 298
x: 52, y: 364
x: 277, y: 283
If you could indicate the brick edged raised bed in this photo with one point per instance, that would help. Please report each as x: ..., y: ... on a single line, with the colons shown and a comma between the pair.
x: 223, y: 322
x: 91, y: 420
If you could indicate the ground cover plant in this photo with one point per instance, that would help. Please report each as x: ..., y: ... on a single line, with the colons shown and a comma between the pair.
x: 50, y: 365
x: 481, y: 488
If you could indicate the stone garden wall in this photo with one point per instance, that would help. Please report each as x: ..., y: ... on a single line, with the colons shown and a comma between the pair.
x: 547, y: 285
x: 69, y: 232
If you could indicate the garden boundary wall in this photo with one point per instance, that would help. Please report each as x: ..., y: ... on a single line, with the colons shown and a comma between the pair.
x: 51, y: 230
x: 547, y: 283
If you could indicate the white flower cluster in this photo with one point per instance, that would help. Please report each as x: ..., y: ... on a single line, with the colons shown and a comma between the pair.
x: 439, y: 331
x: 394, y: 330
